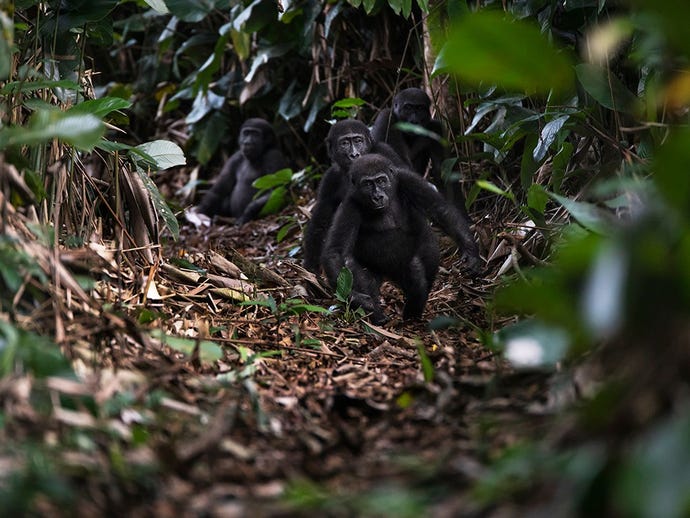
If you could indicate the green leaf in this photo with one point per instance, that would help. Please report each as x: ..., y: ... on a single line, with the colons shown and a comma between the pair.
x: 83, y: 131
x: 158, y: 5
x: 670, y: 169
x: 344, y: 284
x: 162, y: 153
x: 368, y: 5
x: 548, y: 136
x: 537, y: 198
x: 255, y: 16
x: 100, y: 107
x: 607, y: 89
x: 25, y: 352
x: 275, y: 202
x: 489, y: 186
x: 31, y: 86
x: 490, y: 47
x: 349, y: 102
x: 427, y: 366
x: 190, y: 10
x: 416, y: 129
x: 277, y: 179
x: 533, y: 344
x: 587, y: 214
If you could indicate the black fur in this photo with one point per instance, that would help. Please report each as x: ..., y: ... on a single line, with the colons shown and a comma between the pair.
x: 232, y: 194
x: 412, y: 105
x: 336, y: 181
x: 381, y: 230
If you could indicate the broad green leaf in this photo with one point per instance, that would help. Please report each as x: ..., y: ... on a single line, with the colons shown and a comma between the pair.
x: 264, y: 56
x: 654, y: 478
x: 491, y: 48
x: 283, y: 232
x: 537, y: 198
x: 349, y: 102
x: 607, y: 89
x: 548, y: 136
x: 100, y: 107
x: 275, y: 202
x: 25, y: 352
x: 83, y: 131
x: 587, y: 214
x: 532, y: 344
x: 190, y: 10
x: 528, y: 165
x: 670, y: 169
x: 255, y: 16
x: 30, y: 86
x: 164, y: 153
x: 303, y: 307
x: 269, y: 181
x: 331, y: 15
x: 205, y: 102
x: 344, y: 284
x: 368, y: 5
x: 158, y: 6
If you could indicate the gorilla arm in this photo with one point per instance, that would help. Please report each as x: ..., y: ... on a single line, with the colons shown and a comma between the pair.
x: 340, y: 242
x: 454, y: 223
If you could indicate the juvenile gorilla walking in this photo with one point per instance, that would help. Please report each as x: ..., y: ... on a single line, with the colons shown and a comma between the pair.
x: 347, y: 140
x: 381, y: 230
x: 232, y: 193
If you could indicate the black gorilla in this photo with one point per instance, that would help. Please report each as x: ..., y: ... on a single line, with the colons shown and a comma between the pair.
x: 232, y: 193
x: 347, y: 140
x: 381, y: 230
x: 412, y: 105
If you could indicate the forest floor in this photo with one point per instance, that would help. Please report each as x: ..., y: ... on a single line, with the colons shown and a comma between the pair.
x: 301, y: 412
x: 327, y: 413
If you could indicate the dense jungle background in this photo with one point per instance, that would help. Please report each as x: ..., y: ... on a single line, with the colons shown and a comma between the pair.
x: 150, y: 367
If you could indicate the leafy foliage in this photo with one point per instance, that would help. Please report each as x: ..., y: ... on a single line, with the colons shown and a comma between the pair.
x: 576, y: 145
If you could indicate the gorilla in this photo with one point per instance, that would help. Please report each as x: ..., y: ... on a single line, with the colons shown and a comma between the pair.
x: 381, y: 231
x: 347, y: 140
x: 232, y: 194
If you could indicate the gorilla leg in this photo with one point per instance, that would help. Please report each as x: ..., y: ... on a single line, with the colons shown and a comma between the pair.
x: 415, y: 286
x: 365, y: 291
x: 421, y: 273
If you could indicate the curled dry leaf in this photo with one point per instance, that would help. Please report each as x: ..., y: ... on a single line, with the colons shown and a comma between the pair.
x: 227, y: 267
